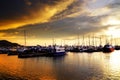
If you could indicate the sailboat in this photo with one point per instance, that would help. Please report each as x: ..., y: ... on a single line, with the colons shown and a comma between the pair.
x: 35, y: 51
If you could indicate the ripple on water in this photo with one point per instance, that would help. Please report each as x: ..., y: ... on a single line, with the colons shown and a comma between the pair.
x: 74, y: 66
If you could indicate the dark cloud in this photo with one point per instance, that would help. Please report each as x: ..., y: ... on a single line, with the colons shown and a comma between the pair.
x: 62, y: 28
x: 12, y: 9
x: 115, y: 4
x: 17, y: 13
x: 16, y: 9
x: 76, y: 6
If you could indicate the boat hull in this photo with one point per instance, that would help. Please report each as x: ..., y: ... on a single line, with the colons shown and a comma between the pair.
x: 108, y: 50
x: 56, y: 54
x: 27, y: 55
x: 12, y: 53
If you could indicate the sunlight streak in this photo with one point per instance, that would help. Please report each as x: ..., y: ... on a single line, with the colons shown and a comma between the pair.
x: 114, y: 61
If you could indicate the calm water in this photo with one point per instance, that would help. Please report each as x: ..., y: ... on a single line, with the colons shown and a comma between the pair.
x: 73, y: 66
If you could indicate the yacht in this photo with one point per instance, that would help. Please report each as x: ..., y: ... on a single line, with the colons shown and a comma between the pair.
x: 56, y: 51
x: 108, y: 48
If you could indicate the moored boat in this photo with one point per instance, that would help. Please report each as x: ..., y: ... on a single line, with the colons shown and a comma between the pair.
x: 32, y: 52
x: 108, y: 48
x: 56, y: 51
x: 42, y: 51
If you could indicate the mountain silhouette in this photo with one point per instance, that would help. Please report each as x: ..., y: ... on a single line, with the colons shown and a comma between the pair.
x: 5, y: 43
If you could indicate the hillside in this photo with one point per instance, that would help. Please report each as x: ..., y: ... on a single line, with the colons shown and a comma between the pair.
x: 5, y: 43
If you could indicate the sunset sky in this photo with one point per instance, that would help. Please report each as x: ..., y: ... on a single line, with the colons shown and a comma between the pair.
x: 44, y: 20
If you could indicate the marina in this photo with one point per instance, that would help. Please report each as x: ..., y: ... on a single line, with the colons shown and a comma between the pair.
x: 59, y: 40
x: 55, y: 62
x: 55, y: 50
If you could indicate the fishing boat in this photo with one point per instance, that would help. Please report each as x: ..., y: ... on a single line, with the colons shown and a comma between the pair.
x: 75, y: 49
x: 43, y: 51
x: 56, y: 51
x: 108, y: 48
x: 32, y: 52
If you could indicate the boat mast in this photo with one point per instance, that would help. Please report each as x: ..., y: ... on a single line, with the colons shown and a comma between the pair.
x: 100, y: 41
x: 111, y: 39
x: 61, y: 42
x: 83, y: 41
x: 93, y: 38
x: 78, y: 40
x: 89, y: 40
x: 24, y: 38
x: 53, y: 41
x: 106, y: 39
x: 78, y: 36
x: 64, y: 42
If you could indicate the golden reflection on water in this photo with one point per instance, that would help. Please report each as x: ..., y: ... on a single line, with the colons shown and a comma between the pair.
x: 10, y: 62
x: 115, y: 62
x: 111, y: 65
x: 74, y: 66
x: 28, y: 68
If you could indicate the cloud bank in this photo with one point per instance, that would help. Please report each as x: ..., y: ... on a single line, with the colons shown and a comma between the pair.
x: 57, y: 18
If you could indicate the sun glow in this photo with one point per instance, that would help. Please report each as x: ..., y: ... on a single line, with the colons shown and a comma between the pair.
x: 113, y: 24
x: 114, y: 61
x: 111, y: 21
x: 113, y: 32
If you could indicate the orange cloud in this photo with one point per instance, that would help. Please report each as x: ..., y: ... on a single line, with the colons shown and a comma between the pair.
x: 39, y: 15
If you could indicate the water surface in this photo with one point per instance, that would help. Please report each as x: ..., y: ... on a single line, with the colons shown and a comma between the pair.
x: 73, y: 66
